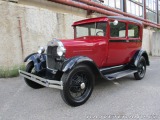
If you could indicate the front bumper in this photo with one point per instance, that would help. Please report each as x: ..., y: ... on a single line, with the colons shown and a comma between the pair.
x: 42, y: 81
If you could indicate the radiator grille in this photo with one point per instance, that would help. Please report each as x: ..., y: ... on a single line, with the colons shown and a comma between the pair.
x: 51, y: 56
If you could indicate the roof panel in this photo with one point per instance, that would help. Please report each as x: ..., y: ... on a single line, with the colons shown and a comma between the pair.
x: 98, y: 19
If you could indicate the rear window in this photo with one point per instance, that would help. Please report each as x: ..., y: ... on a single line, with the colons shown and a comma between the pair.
x: 133, y: 31
x: 118, y: 30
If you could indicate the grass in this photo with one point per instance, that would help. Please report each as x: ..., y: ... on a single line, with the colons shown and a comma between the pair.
x: 10, y: 72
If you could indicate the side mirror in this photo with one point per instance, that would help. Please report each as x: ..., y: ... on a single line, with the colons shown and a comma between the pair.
x: 115, y: 22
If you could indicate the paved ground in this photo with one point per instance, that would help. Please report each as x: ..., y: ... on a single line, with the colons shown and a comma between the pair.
x: 125, y: 98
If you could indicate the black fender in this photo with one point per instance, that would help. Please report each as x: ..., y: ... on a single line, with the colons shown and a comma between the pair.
x: 29, y: 57
x: 138, y: 55
x: 69, y: 64
x: 37, y: 59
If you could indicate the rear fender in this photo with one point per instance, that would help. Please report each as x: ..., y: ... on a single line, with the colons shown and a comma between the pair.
x: 138, y: 55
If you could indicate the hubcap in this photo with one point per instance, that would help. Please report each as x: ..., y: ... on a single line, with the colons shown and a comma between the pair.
x: 83, y: 85
x: 79, y: 85
x: 141, y: 70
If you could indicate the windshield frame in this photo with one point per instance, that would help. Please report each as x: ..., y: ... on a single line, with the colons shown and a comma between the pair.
x: 105, y: 30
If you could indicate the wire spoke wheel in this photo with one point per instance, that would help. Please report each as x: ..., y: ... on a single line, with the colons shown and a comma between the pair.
x: 141, y: 69
x: 31, y: 69
x: 77, y: 85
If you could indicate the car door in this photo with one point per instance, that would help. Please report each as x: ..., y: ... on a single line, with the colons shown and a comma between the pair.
x: 100, y: 43
x: 134, y: 39
x: 117, y: 49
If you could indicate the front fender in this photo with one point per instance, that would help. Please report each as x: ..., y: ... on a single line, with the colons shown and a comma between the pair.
x: 37, y: 59
x: 29, y: 57
x: 70, y: 63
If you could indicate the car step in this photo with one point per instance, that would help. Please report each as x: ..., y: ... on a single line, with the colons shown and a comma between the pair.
x: 120, y: 74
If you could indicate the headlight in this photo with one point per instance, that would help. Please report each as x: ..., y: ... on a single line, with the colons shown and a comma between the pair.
x: 60, y: 47
x: 41, y: 50
x: 60, y: 50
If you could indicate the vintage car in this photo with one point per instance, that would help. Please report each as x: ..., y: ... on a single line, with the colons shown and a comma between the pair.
x: 105, y: 47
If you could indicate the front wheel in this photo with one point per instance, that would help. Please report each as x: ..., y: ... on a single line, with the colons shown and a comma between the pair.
x: 77, y: 85
x: 30, y: 69
x: 141, y: 67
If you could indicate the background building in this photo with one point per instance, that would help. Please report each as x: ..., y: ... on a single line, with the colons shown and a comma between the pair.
x: 27, y: 24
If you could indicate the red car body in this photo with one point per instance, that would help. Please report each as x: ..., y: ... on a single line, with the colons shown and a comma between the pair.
x: 105, y: 47
x: 105, y: 51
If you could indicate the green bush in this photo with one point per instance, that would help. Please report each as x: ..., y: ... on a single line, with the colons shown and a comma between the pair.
x: 10, y: 72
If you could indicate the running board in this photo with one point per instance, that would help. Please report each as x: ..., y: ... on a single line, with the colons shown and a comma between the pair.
x: 42, y: 81
x: 120, y: 74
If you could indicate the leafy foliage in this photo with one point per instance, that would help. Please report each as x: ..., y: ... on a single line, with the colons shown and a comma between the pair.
x: 10, y: 72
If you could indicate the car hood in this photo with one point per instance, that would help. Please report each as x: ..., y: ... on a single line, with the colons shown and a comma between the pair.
x: 77, y: 47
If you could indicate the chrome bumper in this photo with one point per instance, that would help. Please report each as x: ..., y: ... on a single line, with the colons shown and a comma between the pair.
x: 42, y: 81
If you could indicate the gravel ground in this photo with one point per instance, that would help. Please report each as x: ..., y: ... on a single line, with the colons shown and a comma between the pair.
x: 121, y: 99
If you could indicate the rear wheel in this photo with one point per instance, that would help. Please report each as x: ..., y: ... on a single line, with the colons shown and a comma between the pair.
x: 30, y: 69
x: 141, y: 67
x: 77, y: 85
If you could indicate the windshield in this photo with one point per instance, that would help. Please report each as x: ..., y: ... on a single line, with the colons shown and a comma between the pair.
x: 91, y: 29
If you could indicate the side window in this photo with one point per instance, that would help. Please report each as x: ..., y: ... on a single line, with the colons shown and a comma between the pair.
x: 118, y: 30
x: 101, y: 29
x: 133, y: 31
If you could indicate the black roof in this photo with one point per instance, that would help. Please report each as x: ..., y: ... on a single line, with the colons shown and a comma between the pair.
x: 124, y: 18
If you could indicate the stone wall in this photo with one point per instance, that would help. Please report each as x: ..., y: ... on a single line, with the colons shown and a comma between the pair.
x: 155, y: 44
x: 37, y: 27
x: 29, y: 25
x: 147, y: 40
